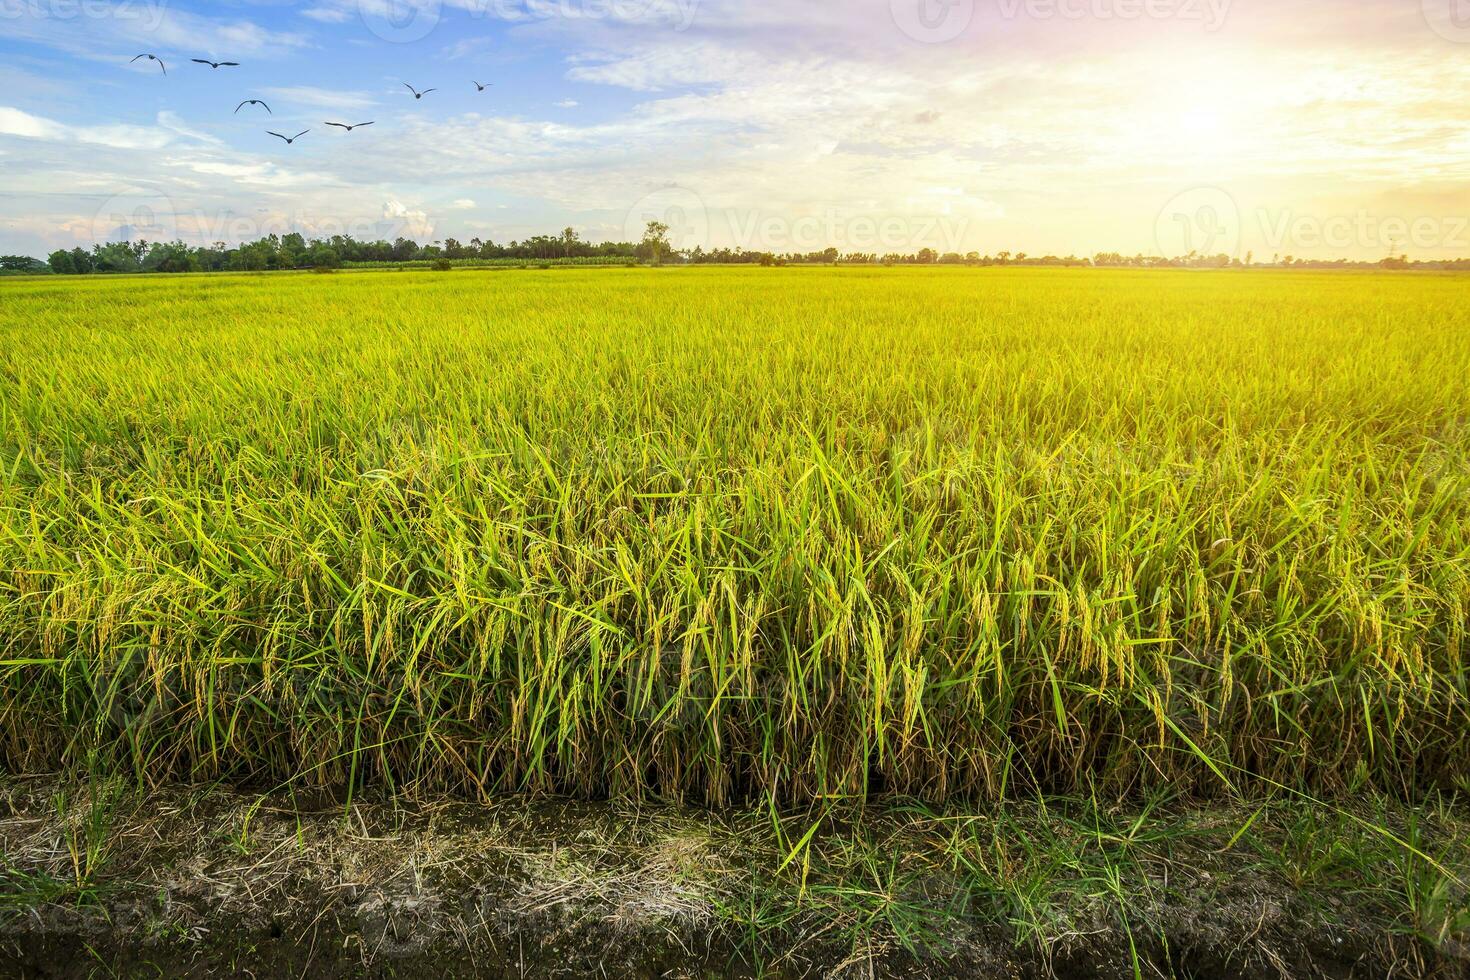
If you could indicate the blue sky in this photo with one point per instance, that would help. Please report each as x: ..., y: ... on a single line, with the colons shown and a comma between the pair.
x: 1301, y: 126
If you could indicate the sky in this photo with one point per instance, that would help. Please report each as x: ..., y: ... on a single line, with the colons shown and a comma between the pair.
x: 1313, y: 128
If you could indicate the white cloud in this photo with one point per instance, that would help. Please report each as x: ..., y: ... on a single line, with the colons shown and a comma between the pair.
x: 327, y: 15
x: 413, y: 222
x: 321, y: 98
x: 15, y: 122
x: 567, y: 104
x: 117, y: 31
x: 468, y: 46
x: 653, y: 67
x: 171, y: 122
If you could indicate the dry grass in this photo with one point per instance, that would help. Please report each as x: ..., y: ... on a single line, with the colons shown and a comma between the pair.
x: 208, y: 882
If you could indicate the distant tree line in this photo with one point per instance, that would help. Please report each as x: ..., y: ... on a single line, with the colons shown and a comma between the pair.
x: 1195, y: 260
x: 295, y: 251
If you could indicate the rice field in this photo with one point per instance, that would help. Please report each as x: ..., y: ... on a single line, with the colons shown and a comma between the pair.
x: 733, y: 535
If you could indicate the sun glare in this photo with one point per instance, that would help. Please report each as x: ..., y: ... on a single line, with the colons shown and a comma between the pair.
x: 1205, y: 127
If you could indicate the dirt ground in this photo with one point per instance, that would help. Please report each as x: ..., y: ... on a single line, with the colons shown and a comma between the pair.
x: 208, y: 882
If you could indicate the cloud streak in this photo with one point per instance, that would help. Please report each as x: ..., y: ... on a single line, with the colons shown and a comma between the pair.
x: 320, y: 98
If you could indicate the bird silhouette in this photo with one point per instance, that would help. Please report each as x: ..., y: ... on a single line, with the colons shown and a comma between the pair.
x: 152, y: 57
x: 416, y: 93
x: 253, y: 102
x: 216, y: 64
x: 347, y: 127
x: 289, y: 139
x: 481, y: 88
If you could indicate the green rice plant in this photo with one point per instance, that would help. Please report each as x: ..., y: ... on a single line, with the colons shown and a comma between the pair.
x: 725, y: 535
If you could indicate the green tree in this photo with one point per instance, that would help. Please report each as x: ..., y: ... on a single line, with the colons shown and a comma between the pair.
x: 116, y: 257
x: 655, y: 244
x: 404, y: 249
x: 248, y: 258
x: 170, y: 257
x: 323, y: 256
x: 295, y: 246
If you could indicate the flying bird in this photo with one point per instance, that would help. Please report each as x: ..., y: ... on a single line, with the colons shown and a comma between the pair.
x: 215, y: 64
x: 152, y: 57
x: 347, y: 127
x: 253, y: 102
x: 416, y: 93
x: 289, y: 139
x: 481, y: 88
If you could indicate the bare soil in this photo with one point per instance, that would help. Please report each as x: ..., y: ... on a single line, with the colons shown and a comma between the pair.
x: 212, y: 883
